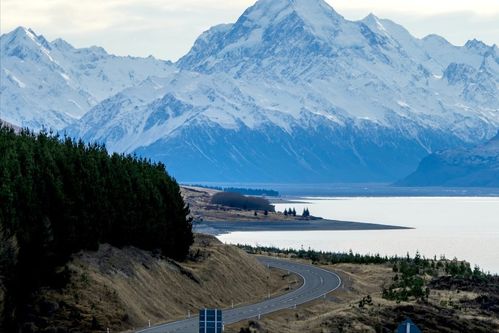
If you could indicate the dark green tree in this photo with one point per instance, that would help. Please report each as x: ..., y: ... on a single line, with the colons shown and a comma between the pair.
x: 58, y: 196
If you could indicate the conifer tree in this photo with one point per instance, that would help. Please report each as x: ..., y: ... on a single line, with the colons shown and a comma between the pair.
x: 59, y: 196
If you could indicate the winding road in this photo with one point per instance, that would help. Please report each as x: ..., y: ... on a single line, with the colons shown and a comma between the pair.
x: 317, y: 282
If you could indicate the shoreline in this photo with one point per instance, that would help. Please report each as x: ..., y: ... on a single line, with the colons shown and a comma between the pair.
x: 225, y: 227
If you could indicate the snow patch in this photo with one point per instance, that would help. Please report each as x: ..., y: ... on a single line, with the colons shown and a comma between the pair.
x: 403, y: 104
x: 65, y: 77
x: 19, y: 83
x: 75, y: 104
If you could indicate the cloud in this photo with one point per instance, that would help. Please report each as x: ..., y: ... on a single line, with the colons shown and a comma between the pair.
x: 168, y: 28
x: 457, y: 27
x: 420, y: 7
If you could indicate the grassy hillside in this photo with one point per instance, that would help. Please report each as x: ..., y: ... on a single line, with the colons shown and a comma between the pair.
x: 124, y: 288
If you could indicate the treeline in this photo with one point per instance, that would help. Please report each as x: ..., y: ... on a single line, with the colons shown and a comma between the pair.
x: 240, y: 201
x: 58, y: 197
x: 322, y: 257
x: 240, y: 190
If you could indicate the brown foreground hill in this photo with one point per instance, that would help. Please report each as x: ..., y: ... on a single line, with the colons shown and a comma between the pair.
x: 122, y: 289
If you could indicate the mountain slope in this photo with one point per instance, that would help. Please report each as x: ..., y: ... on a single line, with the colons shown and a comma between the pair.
x: 476, y: 167
x: 293, y: 91
x: 51, y: 84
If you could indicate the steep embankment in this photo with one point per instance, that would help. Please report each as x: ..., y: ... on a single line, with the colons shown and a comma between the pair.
x: 124, y: 288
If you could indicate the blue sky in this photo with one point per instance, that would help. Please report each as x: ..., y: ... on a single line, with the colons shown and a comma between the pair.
x: 168, y: 28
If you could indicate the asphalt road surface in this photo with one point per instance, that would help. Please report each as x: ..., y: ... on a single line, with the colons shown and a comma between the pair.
x: 317, y: 282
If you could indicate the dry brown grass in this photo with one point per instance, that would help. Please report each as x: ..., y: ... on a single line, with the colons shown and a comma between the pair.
x: 125, y: 288
x: 340, y: 312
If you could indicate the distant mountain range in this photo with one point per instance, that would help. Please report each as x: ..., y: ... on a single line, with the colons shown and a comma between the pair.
x: 291, y: 92
x: 472, y: 167
x: 52, y: 84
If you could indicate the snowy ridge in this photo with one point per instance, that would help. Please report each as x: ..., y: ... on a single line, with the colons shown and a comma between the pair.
x: 290, y: 74
x: 51, y: 84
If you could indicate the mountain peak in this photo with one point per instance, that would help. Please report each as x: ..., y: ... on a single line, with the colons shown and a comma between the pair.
x: 374, y: 23
x: 317, y: 14
x: 62, y: 45
x: 292, y: 29
x: 305, y: 7
x: 435, y: 38
x: 370, y: 18
x: 23, y: 43
x: 21, y: 32
x: 18, y: 33
x: 25, y: 34
x: 478, y: 45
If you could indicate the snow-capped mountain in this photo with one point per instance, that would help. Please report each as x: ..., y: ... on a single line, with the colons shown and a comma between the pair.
x: 51, y: 84
x: 292, y: 91
x: 476, y: 167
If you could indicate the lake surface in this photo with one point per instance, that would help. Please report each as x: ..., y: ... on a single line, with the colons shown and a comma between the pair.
x: 462, y: 227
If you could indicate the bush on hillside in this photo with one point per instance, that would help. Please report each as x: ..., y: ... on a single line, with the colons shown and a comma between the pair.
x: 237, y: 200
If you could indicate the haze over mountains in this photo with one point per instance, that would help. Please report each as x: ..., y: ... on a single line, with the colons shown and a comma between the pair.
x: 291, y: 92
